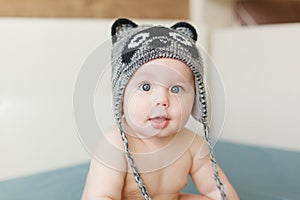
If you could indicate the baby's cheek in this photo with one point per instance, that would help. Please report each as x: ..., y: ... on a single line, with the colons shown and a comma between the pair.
x: 136, y: 107
x: 176, y: 109
x: 183, y: 107
x: 184, y: 102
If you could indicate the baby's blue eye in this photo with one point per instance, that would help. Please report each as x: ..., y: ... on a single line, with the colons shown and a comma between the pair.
x: 176, y: 89
x: 145, y: 87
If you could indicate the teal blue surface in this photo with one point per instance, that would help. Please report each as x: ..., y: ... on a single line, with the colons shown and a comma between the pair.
x: 64, y: 184
x: 256, y: 173
x: 261, y: 173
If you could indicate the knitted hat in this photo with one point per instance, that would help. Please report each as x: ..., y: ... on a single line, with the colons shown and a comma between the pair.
x: 133, y: 46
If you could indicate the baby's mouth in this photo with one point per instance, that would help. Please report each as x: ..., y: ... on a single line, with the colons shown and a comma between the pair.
x: 159, y: 122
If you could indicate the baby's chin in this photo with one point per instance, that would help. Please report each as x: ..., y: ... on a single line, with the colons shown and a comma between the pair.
x: 162, y: 130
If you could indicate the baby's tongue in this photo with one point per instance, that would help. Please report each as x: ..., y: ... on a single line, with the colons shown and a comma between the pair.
x: 159, y: 122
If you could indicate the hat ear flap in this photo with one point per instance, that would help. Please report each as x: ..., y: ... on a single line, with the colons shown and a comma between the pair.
x: 186, y: 29
x: 119, y: 26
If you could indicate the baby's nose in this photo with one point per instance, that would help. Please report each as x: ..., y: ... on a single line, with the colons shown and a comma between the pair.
x: 162, y: 98
x: 162, y: 103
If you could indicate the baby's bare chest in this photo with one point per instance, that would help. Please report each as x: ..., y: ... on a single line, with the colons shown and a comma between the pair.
x: 164, y: 183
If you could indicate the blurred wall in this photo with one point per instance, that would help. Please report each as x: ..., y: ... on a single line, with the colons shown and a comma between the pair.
x: 260, y: 69
x: 213, y: 13
x: 40, y: 60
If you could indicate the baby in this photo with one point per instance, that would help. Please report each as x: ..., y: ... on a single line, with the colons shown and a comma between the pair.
x: 157, y: 80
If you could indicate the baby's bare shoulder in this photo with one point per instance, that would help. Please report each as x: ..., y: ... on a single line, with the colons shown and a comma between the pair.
x: 197, y: 143
x: 198, y: 150
x: 107, y: 169
x: 109, y: 150
x: 112, y: 135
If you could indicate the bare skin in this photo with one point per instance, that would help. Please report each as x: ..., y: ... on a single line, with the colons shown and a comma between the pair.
x: 164, y: 184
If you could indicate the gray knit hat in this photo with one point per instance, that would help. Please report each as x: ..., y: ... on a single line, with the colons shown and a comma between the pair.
x: 133, y: 46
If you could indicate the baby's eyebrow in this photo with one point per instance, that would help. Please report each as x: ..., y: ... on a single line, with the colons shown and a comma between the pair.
x: 182, y: 80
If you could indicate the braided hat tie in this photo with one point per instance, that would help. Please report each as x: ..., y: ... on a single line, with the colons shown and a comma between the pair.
x: 133, y: 46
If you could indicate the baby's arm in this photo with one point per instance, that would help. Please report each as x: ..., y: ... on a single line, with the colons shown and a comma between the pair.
x: 103, y: 183
x: 203, y: 178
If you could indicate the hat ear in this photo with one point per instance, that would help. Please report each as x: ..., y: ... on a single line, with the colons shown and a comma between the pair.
x: 119, y: 26
x: 186, y: 29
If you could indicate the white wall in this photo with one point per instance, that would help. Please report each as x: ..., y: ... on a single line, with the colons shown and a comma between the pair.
x: 260, y: 67
x: 40, y: 60
x: 213, y: 14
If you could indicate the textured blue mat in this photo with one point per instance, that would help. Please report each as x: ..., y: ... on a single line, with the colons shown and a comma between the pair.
x: 261, y: 173
x: 64, y: 184
x: 256, y: 173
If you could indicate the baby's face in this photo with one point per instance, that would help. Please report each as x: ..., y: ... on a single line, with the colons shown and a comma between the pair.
x: 159, y: 97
